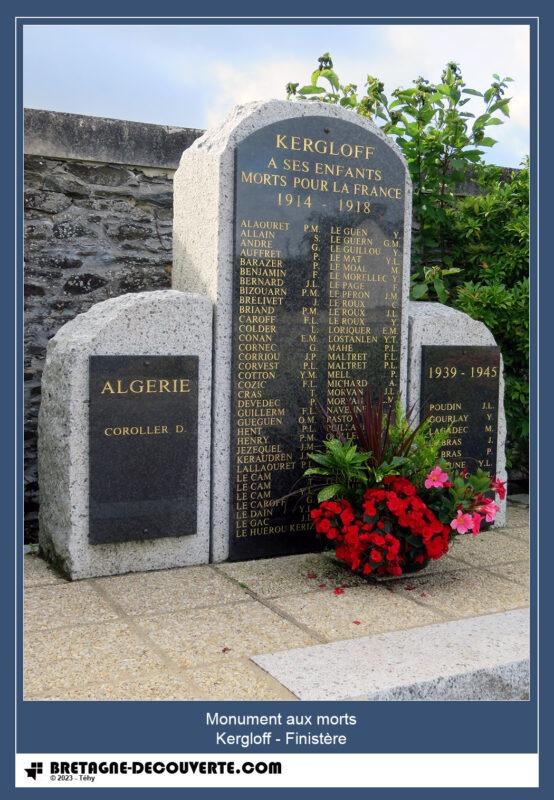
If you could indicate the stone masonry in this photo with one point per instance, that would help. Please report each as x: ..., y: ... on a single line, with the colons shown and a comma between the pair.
x: 93, y: 231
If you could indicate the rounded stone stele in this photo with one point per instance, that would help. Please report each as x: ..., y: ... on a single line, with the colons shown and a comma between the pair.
x: 148, y: 323
x: 203, y: 256
x: 437, y: 324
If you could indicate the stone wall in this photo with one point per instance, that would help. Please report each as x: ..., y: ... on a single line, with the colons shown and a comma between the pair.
x: 98, y: 223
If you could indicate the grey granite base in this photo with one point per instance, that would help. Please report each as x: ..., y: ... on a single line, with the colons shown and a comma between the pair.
x: 437, y: 324
x: 479, y: 658
x: 148, y: 323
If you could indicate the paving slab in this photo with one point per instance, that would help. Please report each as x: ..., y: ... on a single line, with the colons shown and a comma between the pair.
x: 360, y: 610
x: 517, y: 571
x: 274, y: 577
x: 59, y: 660
x: 145, y: 593
x: 489, y: 547
x: 467, y: 593
x: 189, y: 633
x: 522, y: 532
x: 158, y: 684
x: 518, y: 516
x: 482, y: 658
x: 39, y: 573
x: 49, y: 607
x: 237, y: 679
x: 205, y: 635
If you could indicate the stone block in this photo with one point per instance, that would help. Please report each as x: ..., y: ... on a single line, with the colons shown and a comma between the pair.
x: 480, y: 658
x: 145, y: 324
x: 204, y: 230
x: 437, y: 324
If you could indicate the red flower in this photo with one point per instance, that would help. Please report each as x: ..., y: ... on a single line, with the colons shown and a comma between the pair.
x: 347, y: 516
x: 437, y: 546
x: 331, y: 507
x: 323, y: 526
x: 351, y: 534
x: 379, y: 537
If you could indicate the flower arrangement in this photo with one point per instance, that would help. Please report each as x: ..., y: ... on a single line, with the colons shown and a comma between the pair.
x: 386, y: 500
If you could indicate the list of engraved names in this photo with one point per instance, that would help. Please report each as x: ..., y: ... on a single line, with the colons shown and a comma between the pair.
x: 319, y: 228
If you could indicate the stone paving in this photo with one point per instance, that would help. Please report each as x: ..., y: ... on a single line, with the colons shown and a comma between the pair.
x: 190, y: 633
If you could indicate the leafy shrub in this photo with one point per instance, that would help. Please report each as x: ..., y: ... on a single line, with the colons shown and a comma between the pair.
x: 385, y: 443
x: 469, y: 252
x: 490, y: 235
x: 431, y: 125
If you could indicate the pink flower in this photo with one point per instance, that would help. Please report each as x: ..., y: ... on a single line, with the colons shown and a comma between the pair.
x: 476, y: 524
x: 499, y: 487
x: 436, y: 479
x: 490, y: 509
x: 463, y: 522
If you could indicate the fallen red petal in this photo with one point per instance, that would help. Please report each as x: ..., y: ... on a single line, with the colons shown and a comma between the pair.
x: 338, y: 590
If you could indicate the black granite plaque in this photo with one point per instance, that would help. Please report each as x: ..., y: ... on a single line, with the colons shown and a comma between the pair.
x: 460, y: 390
x: 318, y: 265
x: 143, y: 443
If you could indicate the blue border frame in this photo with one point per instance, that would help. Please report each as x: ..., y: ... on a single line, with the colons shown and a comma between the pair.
x: 167, y: 727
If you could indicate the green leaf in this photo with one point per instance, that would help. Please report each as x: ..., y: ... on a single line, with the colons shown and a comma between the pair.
x: 349, y: 101
x: 332, y: 77
x: 311, y: 90
x: 321, y: 458
x: 480, y: 121
x: 419, y: 290
x: 473, y: 92
x: 315, y: 75
x: 440, y: 289
x: 328, y: 492
x: 315, y: 471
